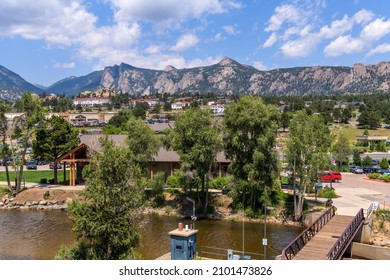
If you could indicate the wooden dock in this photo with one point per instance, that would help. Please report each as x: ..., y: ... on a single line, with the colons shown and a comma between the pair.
x: 320, y: 245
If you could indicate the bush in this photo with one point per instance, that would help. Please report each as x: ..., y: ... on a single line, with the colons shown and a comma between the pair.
x: 374, y: 176
x: 43, y: 181
x: 174, y: 181
x: 220, y: 182
x: 326, y: 193
x: 386, y: 178
x: 51, y: 181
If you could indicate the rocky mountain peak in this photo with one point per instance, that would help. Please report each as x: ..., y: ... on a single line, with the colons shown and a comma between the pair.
x: 169, y: 68
x: 227, y: 61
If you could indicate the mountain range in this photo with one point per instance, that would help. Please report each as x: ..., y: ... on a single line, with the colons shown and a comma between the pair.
x: 225, y: 77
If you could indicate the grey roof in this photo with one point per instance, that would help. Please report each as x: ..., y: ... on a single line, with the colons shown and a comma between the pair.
x: 163, y: 155
x: 159, y: 127
x: 92, y: 140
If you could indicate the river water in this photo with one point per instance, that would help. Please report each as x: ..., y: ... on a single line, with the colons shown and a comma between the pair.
x: 39, y: 234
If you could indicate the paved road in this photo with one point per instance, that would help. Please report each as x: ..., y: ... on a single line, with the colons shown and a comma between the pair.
x: 356, y: 192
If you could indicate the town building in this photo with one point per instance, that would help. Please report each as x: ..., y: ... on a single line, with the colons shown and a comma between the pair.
x: 91, y: 101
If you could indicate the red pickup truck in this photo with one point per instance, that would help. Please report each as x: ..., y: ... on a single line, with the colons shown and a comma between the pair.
x: 333, y: 176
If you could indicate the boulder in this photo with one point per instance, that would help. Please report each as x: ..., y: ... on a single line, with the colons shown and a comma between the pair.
x: 34, y: 203
x: 43, y: 202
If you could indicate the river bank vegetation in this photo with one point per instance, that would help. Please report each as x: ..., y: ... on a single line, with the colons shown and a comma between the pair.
x: 251, y: 136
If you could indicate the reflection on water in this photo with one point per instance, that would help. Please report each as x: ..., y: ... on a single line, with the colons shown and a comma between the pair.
x: 221, y: 234
x: 33, y: 234
x: 39, y: 235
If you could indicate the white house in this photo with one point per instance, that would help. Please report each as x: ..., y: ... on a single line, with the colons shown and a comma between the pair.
x: 91, y: 101
x: 179, y: 105
x: 217, y: 108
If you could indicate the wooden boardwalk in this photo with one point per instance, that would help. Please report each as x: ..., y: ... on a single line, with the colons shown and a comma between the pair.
x: 320, y: 245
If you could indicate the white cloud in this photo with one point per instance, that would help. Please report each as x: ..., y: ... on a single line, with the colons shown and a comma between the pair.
x: 337, y: 28
x: 381, y: 49
x: 153, y: 49
x: 218, y: 37
x: 68, y: 65
x: 185, y: 42
x: 169, y: 12
x: 363, y: 16
x: 344, y: 45
x: 230, y: 29
x: 302, y: 47
x: 271, y: 40
x: 259, y: 65
x: 376, y: 30
x: 284, y: 13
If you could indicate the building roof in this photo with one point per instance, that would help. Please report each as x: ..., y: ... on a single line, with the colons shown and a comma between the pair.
x: 163, y: 155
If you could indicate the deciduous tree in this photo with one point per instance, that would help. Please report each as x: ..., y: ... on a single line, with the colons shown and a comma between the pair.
x: 307, y: 153
x: 196, y: 140
x: 250, y: 140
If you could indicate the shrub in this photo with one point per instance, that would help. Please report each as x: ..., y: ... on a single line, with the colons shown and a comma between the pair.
x: 374, y: 176
x: 326, y: 193
x: 174, y: 181
x: 51, y: 181
x: 220, y: 182
x: 386, y: 178
x: 43, y: 181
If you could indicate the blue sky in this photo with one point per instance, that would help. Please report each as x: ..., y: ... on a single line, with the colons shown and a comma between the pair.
x: 47, y: 40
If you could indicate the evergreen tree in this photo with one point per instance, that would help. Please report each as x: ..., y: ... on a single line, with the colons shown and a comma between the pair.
x: 54, y: 138
x: 107, y: 219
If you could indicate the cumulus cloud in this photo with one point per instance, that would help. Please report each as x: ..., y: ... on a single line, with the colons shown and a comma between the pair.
x: 169, y: 12
x: 376, y: 29
x: 283, y: 13
x: 299, y: 48
x: 381, y: 49
x: 185, y: 42
x: 296, y: 27
x: 344, y: 45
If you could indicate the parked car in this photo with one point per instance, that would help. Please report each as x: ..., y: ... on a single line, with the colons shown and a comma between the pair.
x: 333, y: 176
x: 31, y: 164
x: 358, y: 170
x: 59, y: 165
x: 368, y: 170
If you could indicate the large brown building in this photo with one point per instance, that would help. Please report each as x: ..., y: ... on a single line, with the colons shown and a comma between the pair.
x: 165, y: 161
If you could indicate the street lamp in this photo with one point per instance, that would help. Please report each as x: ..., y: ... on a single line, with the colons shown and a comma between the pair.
x: 265, y: 229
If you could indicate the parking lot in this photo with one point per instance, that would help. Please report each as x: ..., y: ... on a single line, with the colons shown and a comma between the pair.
x: 356, y: 192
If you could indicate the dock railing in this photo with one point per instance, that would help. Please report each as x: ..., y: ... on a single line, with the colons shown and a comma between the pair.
x: 346, y: 237
x: 298, y: 243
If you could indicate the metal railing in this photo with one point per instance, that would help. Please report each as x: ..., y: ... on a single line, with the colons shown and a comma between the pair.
x: 346, y: 237
x: 222, y: 253
x: 298, y: 243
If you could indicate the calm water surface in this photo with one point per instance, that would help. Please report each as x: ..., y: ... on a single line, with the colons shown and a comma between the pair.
x: 39, y: 235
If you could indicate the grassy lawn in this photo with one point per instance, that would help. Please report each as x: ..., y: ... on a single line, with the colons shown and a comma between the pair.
x: 351, y: 132
x: 35, y: 176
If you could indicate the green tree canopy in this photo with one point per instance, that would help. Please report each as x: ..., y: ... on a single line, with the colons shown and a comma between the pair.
x: 250, y: 139
x: 142, y: 142
x: 307, y: 152
x: 342, y: 149
x: 197, y: 141
x: 384, y: 163
x: 53, y: 138
x: 107, y: 219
